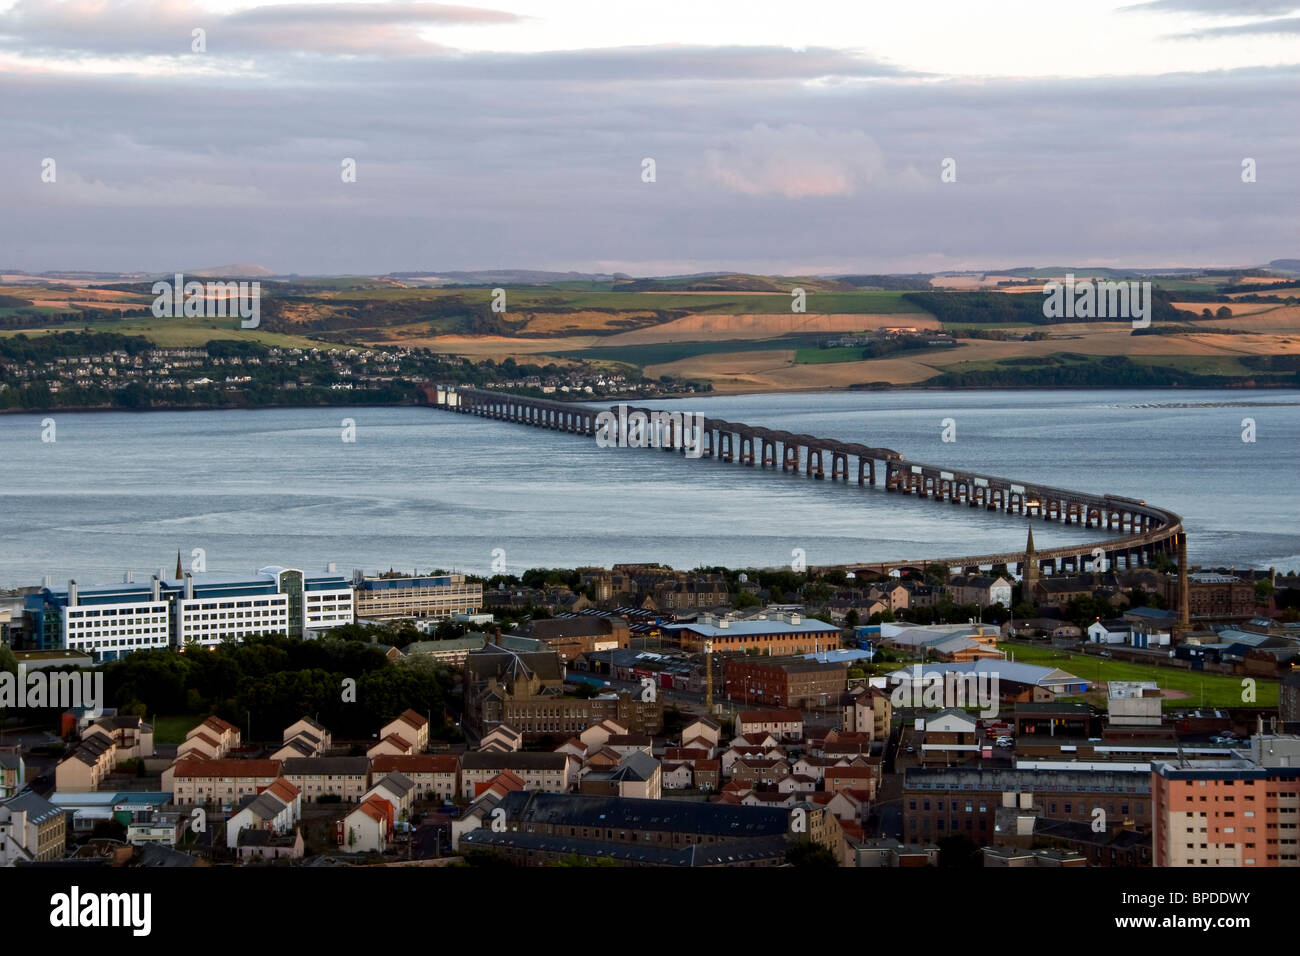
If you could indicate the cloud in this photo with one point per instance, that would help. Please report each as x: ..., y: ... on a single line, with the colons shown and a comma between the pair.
x: 1280, y: 26
x: 474, y: 161
x: 1216, y: 8
x: 795, y: 161
x: 74, y: 28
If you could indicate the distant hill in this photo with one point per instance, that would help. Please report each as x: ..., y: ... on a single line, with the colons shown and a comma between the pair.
x: 237, y: 270
x: 1285, y: 265
x: 434, y: 277
x: 732, y: 282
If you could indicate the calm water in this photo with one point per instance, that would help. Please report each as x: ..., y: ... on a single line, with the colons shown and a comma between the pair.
x: 421, y: 488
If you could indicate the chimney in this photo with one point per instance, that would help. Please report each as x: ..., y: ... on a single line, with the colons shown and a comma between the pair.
x: 129, y: 578
x: 72, y: 593
x: 155, y: 589
x: 47, y: 581
x: 496, y: 637
x: 189, y: 586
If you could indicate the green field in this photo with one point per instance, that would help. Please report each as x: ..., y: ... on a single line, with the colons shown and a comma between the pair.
x: 172, y: 729
x: 1209, y: 690
x: 818, y: 356
x: 643, y: 355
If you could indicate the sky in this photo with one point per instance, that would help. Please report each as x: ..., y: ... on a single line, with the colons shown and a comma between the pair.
x: 786, y: 138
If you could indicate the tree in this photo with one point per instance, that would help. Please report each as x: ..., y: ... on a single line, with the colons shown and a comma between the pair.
x: 851, y: 619
x: 811, y: 855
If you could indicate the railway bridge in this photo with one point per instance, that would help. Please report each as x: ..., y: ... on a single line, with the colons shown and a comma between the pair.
x: 1140, y: 530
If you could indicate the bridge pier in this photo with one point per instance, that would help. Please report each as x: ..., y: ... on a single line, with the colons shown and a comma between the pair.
x: 769, y: 453
x: 815, y: 454
x: 790, y: 458
x: 747, y: 450
x: 726, y: 454
x: 866, y: 471
x: 839, y: 466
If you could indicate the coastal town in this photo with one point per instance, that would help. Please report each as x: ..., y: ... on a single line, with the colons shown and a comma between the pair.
x: 643, y: 716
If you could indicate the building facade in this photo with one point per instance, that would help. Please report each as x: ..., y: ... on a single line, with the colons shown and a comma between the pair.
x: 436, y: 596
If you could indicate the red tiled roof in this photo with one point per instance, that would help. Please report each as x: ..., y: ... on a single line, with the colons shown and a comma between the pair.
x: 283, y: 789
x: 415, y: 763
x: 850, y: 773
x: 706, y: 765
x: 397, y: 740
x: 770, y: 716
x: 377, y: 808
x: 205, y: 738
x: 684, y: 753
x: 221, y: 726
x: 507, y: 781
x: 227, y: 767
x: 413, y: 718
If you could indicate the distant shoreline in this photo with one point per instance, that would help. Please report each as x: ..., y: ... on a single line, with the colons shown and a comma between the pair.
x: 716, y: 393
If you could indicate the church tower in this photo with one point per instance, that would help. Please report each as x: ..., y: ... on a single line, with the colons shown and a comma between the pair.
x: 1029, y: 570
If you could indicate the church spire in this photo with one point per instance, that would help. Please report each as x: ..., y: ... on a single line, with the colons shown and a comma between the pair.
x: 1029, y: 570
x: 179, y: 573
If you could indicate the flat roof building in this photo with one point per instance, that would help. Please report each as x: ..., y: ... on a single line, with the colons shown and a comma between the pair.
x: 195, y: 609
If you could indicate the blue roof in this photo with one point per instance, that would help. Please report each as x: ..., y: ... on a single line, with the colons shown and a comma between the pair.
x: 207, y: 584
x: 840, y: 656
x: 388, y: 584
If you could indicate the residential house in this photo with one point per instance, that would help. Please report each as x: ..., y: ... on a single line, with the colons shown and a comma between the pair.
x: 368, y: 828
x: 195, y: 780
x: 436, y: 776
x: 637, y: 774
x: 547, y: 772
x: 411, y: 726
x: 342, y: 777
x: 705, y: 727
x: 501, y: 739
x: 31, y: 830
x: 398, y: 789
x: 391, y: 745
x: 278, y: 809
x: 781, y: 723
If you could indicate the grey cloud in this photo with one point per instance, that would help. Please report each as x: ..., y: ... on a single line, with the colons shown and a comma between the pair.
x: 1217, y: 8
x: 1279, y: 27
x: 487, y: 168
x: 79, y: 27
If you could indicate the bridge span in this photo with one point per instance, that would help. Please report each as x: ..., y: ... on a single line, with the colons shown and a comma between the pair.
x: 1143, y: 530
